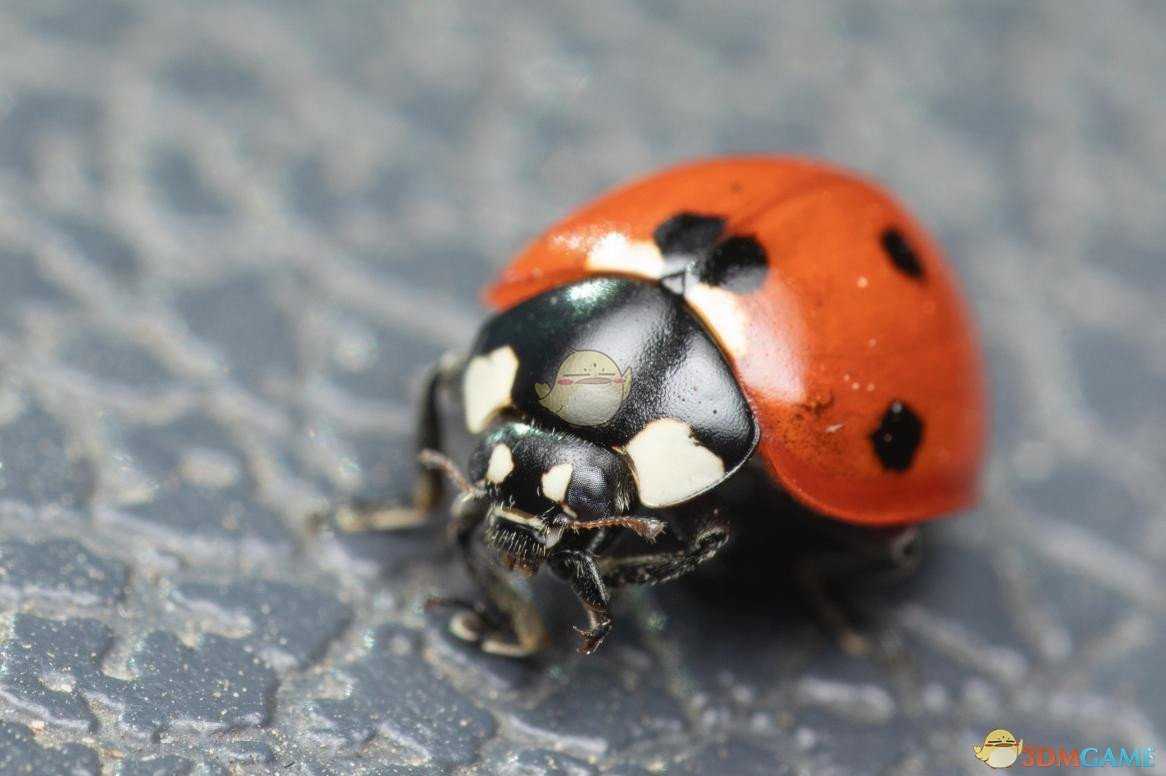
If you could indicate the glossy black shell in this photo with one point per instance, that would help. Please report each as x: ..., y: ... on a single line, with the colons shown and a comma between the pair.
x: 677, y: 370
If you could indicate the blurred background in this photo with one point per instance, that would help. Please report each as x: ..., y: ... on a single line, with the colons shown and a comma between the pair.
x: 233, y: 234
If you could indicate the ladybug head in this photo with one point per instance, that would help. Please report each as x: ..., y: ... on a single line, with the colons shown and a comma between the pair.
x: 540, y: 484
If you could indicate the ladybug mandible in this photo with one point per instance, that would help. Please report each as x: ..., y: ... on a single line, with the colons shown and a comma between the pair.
x: 765, y: 315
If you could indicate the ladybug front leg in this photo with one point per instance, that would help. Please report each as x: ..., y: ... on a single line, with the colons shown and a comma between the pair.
x: 511, y: 626
x: 579, y: 570
x: 428, y: 486
x: 507, y: 623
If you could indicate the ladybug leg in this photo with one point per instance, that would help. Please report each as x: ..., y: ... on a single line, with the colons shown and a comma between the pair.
x: 506, y: 623
x: 876, y: 549
x: 888, y: 553
x: 522, y: 633
x: 579, y: 570
x: 898, y: 551
x: 427, y: 491
x: 516, y: 631
x: 428, y: 487
x: 813, y: 576
x: 707, y: 535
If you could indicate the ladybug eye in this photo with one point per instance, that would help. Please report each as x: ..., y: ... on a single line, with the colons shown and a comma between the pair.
x: 901, y: 254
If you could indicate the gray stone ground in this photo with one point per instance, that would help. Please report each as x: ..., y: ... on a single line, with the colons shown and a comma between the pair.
x: 231, y: 234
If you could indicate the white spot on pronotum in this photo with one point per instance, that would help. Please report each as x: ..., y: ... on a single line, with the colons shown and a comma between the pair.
x: 670, y: 466
x: 487, y: 384
x: 555, y: 481
x: 501, y: 464
x: 616, y: 253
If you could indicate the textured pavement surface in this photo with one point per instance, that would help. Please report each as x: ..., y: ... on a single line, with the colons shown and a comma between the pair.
x: 232, y: 234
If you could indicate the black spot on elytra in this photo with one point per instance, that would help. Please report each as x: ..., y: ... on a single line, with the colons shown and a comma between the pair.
x: 901, y: 253
x: 738, y: 264
x: 898, y: 436
x: 688, y: 233
x: 694, y: 245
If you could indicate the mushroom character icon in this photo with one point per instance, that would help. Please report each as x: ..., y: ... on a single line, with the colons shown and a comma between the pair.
x: 588, y: 389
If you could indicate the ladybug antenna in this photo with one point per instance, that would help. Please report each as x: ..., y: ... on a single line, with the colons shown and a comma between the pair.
x: 645, y: 527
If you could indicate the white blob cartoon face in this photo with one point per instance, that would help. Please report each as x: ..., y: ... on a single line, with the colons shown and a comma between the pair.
x: 588, y: 390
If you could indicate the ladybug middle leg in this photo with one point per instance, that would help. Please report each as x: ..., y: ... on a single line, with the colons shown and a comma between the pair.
x: 591, y: 576
x: 704, y: 531
x: 579, y: 569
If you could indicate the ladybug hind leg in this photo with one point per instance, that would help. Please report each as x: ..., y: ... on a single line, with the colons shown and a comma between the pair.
x: 856, y: 553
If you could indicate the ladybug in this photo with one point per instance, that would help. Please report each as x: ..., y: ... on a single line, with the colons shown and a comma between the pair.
x: 769, y: 320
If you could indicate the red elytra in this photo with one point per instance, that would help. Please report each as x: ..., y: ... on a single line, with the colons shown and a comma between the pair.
x: 857, y: 312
